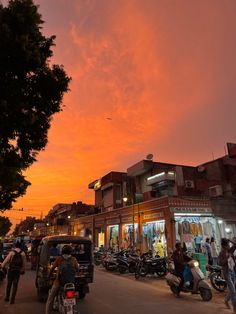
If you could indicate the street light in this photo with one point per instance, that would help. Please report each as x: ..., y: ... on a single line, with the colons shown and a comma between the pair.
x: 68, y: 217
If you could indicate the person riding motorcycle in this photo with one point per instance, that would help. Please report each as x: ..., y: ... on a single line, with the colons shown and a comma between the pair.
x: 65, y: 255
x: 180, y: 259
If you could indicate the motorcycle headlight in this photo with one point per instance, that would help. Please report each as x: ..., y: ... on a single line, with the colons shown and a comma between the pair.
x: 196, y: 264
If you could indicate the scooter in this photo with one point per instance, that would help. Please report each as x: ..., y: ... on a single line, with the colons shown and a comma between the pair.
x: 198, y: 285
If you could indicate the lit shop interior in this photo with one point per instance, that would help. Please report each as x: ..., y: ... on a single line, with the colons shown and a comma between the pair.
x: 154, y: 237
x: 127, y: 235
x: 193, y: 229
x: 113, y: 236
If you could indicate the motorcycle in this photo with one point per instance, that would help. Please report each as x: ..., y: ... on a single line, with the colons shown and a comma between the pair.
x: 98, y: 257
x: 127, y: 262
x: 198, y: 285
x: 149, y: 265
x: 66, y: 300
x: 217, y: 282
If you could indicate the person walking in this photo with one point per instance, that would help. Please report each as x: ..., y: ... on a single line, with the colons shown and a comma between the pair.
x: 227, y: 263
x: 214, y: 252
x: 208, y: 253
x: 16, y: 260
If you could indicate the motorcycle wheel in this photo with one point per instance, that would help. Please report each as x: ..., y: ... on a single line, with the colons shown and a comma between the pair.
x: 218, y: 285
x: 136, y: 275
x: 122, y: 269
x: 97, y: 262
x: 143, y: 271
x: 206, y: 294
x: 161, y: 273
x: 132, y: 269
x: 175, y: 290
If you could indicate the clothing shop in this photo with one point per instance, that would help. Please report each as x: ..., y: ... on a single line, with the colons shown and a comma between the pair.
x: 153, y: 233
x: 113, y: 233
x: 194, y: 225
x: 99, y: 233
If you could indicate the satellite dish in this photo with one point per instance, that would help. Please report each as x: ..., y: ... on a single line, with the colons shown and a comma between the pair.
x: 149, y: 157
x: 200, y: 168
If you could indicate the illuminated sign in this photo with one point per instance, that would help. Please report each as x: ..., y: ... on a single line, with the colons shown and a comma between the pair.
x: 97, y: 185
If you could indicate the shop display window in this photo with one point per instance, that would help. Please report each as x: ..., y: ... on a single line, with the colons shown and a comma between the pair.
x: 193, y: 231
x: 129, y: 237
x: 154, y: 237
x: 113, y: 237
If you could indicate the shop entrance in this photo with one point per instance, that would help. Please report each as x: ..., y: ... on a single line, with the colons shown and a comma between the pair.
x: 113, y: 237
x: 192, y: 231
x: 154, y: 237
x: 129, y: 236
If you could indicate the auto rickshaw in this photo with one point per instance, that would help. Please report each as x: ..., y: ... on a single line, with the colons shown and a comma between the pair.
x: 82, y: 251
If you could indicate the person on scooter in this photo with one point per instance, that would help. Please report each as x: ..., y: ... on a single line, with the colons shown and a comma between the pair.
x: 227, y: 263
x: 66, y: 255
x: 180, y: 259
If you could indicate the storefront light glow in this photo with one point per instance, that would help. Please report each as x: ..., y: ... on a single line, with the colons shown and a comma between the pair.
x: 190, y: 214
x: 156, y: 176
x: 220, y: 221
x: 227, y: 230
x: 151, y: 222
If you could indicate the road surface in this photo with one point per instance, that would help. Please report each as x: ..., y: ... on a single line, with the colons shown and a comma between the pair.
x: 117, y: 294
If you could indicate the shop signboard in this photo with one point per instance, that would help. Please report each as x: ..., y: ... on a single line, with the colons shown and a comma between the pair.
x: 99, y: 223
x: 153, y: 216
x: 191, y: 210
x: 129, y: 219
x: 113, y: 221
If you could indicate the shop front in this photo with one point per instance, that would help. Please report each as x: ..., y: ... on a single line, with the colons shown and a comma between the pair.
x: 99, y: 233
x: 153, y: 233
x: 193, y: 225
x: 112, y: 233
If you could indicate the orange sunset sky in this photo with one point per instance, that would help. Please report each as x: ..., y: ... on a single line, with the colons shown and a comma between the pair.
x: 163, y: 71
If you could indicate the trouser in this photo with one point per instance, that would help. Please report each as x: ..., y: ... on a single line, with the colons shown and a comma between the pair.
x: 215, y: 261
x: 231, y: 292
x: 12, y: 284
x: 52, y: 293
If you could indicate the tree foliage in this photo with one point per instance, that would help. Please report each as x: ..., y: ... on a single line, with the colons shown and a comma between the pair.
x: 26, y: 225
x: 5, y: 225
x: 31, y: 92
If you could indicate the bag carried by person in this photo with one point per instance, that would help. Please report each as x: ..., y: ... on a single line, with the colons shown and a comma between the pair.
x: 16, y: 262
x: 66, y: 272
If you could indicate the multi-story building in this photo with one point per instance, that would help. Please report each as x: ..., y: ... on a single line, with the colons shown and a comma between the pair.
x: 109, y: 191
x: 165, y: 202
x: 59, y: 218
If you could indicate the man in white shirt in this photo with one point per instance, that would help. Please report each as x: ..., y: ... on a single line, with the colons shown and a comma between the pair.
x: 16, y: 261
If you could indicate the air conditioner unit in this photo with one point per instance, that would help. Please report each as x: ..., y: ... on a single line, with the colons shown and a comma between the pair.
x: 215, y: 191
x: 189, y: 184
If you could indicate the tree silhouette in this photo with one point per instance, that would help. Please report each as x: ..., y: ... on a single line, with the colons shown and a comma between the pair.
x: 31, y: 92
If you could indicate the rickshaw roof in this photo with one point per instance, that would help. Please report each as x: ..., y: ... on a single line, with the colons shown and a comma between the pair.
x: 49, y: 240
x: 65, y: 238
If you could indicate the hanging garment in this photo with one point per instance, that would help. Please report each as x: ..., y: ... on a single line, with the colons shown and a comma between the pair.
x: 186, y: 227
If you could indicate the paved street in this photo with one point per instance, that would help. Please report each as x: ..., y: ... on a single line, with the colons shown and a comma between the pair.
x: 115, y: 294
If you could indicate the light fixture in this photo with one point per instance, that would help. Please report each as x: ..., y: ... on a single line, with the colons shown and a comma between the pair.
x: 68, y: 217
x: 227, y: 230
x: 220, y: 221
x: 125, y: 199
x: 156, y: 176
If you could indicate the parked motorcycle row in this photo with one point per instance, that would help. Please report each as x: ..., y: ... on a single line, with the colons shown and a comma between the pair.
x: 128, y: 261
